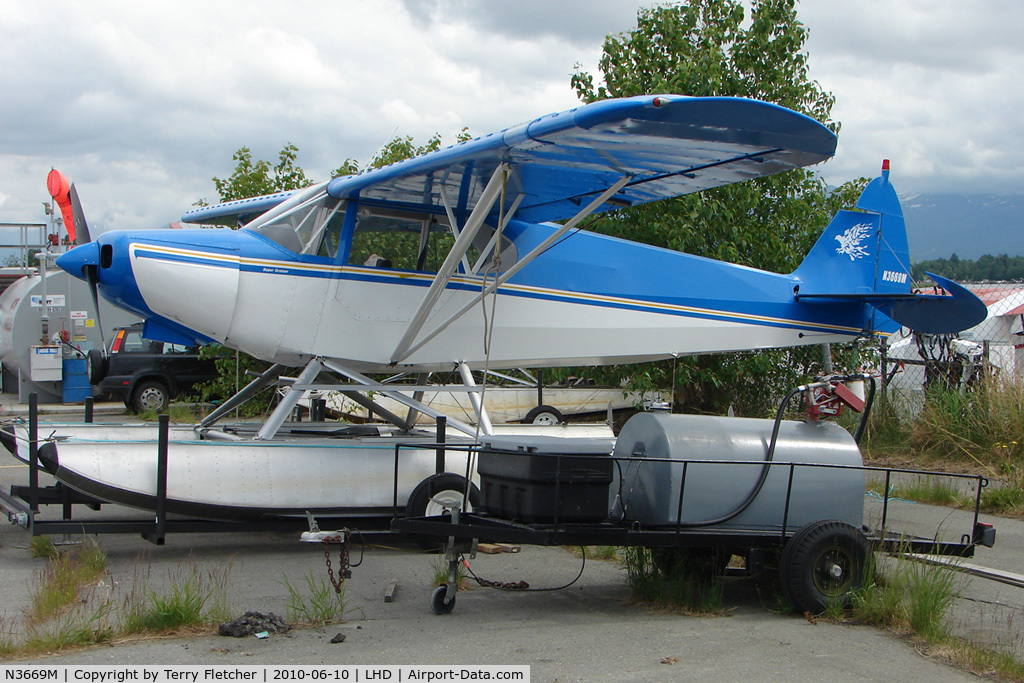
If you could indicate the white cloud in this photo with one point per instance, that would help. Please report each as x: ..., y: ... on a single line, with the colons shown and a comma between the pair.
x: 142, y: 103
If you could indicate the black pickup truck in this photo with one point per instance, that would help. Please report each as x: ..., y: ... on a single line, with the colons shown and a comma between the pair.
x: 146, y: 374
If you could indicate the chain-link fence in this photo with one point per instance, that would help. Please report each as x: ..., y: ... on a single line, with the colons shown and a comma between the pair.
x: 910, y: 362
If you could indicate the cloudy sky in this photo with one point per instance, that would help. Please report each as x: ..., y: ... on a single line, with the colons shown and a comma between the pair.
x: 141, y: 103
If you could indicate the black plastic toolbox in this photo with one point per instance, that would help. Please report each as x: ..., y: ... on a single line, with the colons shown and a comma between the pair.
x: 545, y: 479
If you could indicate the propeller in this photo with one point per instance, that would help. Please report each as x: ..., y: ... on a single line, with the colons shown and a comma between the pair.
x: 81, y: 227
x: 66, y: 196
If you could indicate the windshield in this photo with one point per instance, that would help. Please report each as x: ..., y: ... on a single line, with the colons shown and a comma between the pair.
x: 298, y: 224
x: 311, y: 223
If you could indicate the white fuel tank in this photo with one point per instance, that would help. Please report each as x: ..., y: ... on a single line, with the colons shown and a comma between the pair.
x: 646, y: 489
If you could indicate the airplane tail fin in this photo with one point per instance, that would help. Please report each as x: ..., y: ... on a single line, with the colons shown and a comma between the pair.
x: 863, y: 256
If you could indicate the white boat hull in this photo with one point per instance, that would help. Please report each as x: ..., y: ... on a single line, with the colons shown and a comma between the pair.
x: 249, y: 479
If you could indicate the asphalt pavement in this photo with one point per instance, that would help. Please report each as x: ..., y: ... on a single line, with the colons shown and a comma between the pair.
x: 590, y: 631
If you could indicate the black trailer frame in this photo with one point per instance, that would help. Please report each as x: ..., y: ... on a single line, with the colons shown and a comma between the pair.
x: 464, y: 528
x: 483, y: 527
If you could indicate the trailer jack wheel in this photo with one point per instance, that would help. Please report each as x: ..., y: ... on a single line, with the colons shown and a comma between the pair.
x: 823, y: 564
x: 437, y: 600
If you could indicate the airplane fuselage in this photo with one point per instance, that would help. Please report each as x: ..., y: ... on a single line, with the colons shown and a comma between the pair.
x: 590, y: 299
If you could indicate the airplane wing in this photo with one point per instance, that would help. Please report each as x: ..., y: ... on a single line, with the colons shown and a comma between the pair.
x: 668, y: 145
x: 238, y: 212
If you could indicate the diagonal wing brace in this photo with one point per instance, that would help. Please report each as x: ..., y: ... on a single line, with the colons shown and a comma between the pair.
x: 455, y: 255
x: 404, y: 350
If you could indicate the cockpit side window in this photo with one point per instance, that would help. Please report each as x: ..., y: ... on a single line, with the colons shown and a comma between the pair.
x: 400, y: 240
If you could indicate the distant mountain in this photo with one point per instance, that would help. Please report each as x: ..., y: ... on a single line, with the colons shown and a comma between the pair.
x: 968, y: 225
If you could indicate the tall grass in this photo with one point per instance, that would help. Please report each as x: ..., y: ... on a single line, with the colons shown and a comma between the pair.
x: 974, y: 426
x: 322, y: 605
x: 60, y: 583
x: 672, y: 577
x: 915, y: 599
x: 192, y: 598
x: 909, y: 597
x: 979, y: 429
x: 888, y: 429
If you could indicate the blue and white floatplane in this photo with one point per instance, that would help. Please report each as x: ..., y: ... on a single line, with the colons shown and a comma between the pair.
x: 473, y: 258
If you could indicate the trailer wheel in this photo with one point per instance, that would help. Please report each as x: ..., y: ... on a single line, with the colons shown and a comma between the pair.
x: 822, y: 564
x: 431, y: 495
x: 543, y: 415
x: 437, y: 602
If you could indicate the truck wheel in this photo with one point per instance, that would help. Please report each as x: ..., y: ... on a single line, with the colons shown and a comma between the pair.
x: 543, y: 415
x: 150, y: 395
x: 429, y: 497
x: 822, y: 564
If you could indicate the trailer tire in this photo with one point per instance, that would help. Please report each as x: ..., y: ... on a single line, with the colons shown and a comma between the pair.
x: 822, y: 564
x: 544, y: 415
x: 437, y: 602
x: 430, y: 495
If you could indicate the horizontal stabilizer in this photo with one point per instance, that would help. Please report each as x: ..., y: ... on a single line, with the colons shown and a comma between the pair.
x: 933, y: 314
x: 927, y: 313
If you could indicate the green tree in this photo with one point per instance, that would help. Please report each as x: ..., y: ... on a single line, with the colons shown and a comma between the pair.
x: 256, y: 178
x: 708, y: 48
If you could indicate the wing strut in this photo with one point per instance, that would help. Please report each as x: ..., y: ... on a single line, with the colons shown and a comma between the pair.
x: 451, y: 262
x: 289, y: 401
x: 402, y: 398
x: 477, y: 399
x: 404, y: 350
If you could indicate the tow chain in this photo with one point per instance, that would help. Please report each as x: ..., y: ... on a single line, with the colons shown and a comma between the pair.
x: 500, y: 585
x: 503, y: 585
x: 343, y: 565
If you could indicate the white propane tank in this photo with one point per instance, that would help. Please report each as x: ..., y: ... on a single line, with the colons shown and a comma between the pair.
x: 646, y: 488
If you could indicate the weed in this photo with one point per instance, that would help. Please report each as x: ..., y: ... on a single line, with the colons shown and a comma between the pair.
x: 192, y: 599
x: 1005, y: 499
x: 673, y: 576
x: 602, y: 552
x: 887, y: 430
x: 42, y: 546
x: 78, y: 628
x: 323, y: 606
x: 909, y: 596
x: 933, y: 491
x: 59, y: 584
x: 930, y: 594
x: 8, y: 645
x: 442, y: 575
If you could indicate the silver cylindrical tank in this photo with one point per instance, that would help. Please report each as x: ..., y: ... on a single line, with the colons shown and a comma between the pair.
x: 71, y: 309
x: 648, y: 491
